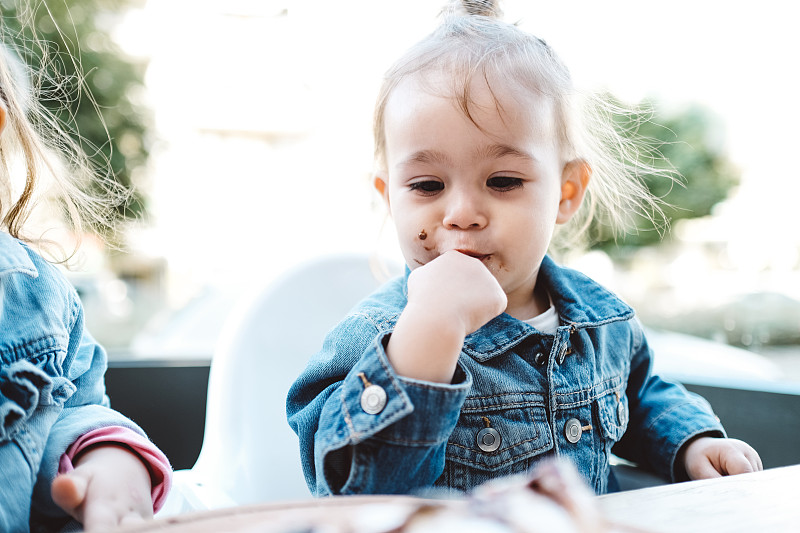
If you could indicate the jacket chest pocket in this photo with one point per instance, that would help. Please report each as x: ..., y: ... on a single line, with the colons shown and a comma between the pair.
x: 496, y: 436
x: 613, y: 413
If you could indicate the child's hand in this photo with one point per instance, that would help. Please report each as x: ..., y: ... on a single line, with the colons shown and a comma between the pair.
x: 457, y: 288
x: 110, y: 486
x: 708, y: 457
x: 448, y: 298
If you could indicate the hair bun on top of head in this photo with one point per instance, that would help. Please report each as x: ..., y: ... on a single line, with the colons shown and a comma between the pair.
x: 484, y: 8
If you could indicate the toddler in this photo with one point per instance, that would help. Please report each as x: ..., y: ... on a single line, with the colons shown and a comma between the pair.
x: 65, y: 456
x: 487, y: 356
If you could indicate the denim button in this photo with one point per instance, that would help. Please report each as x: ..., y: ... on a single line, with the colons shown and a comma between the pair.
x: 373, y: 399
x: 562, y: 354
x: 540, y: 358
x: 488, y: 439
x: 622, y: 417
x: 573, y: 430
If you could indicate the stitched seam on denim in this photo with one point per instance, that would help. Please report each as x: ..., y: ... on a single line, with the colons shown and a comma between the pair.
x: 595, y: 387
x: 501, y: 394
x: 580, y: 403
x: 669, y: 412
x: 409, y: 442
x: 425, y: 386
x: 49, y: 345
x: 382, y: 325
x: 496, y: 452
x: 503, y: 347
x: 610, y: 320
x: 503, y: 406
x: 508, y: 461
x: 348, y: 420
x: 22, y: 440
x: 19, y: 270
x: 76, y: 307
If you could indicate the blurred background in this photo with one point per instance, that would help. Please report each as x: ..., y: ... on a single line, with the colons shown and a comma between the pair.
x: 245, y: 128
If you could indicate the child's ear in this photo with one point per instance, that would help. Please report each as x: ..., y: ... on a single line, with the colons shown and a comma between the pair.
x: 574, y: 181
x: 2, y: 116
x: 380, y: 184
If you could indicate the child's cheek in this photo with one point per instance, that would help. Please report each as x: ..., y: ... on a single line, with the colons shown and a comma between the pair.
x: 424, y: 249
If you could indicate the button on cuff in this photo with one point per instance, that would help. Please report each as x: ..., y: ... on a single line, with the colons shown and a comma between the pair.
x: 373, y: 399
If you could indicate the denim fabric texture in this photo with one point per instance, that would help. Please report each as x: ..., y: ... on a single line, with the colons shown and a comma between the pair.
x: 52, y: 386
x: 592, y: 377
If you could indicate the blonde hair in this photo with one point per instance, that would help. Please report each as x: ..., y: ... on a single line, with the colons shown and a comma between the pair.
x: 473, y: 43
x: 40, y: 162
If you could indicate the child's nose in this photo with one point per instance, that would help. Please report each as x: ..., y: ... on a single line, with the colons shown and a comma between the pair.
x: 465, y: 211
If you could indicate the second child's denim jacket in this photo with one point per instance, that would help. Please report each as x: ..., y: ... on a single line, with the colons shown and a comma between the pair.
x: 518, y: 395
x: 52, y: 387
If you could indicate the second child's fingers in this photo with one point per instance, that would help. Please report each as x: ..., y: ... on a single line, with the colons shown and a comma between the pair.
x: 69, y: 493
x: 131, y: 518
x: 100, y: 518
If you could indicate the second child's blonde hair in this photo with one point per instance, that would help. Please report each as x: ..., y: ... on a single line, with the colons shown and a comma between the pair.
x: 473, y: 43
x: 41, y: 163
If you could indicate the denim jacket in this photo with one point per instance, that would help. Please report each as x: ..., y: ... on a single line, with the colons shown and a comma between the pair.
x: 52, y: 386
x: 518, y: 396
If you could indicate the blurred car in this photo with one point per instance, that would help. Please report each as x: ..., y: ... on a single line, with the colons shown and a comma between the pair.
x: 748, y: 320
x: 693, y: 359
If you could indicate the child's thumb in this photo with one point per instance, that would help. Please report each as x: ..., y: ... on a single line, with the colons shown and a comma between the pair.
x: 69, y: 491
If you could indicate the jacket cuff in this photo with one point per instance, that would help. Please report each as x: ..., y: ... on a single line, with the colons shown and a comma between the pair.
x: 373, y: 403
x: 412, y: 411
x: 695, y: 418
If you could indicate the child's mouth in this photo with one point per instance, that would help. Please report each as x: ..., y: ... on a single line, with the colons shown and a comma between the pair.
x: 474, y: 254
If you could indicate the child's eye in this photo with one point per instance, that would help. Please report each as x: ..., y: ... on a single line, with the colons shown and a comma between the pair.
x: 427, y: 187
x: 504, y: 183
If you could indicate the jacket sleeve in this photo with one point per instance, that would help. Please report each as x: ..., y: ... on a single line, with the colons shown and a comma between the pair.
x: 85, y: 410
x: 664, y: 416
x: 346, y: 449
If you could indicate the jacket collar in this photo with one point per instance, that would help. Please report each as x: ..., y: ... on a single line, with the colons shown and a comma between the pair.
x: 14, y: 256
x: 580, y: 301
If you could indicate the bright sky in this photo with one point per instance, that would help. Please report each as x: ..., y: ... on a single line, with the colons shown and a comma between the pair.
x: 265, y: 119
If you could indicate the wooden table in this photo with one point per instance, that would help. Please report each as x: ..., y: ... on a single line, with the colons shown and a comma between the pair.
x: 763, y: 502
x: 767, y: 502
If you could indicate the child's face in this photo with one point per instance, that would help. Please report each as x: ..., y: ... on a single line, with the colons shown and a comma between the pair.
x: 494, y: 192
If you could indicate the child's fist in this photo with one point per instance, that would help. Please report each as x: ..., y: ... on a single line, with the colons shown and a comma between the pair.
x: 457, y: 287
x: 708, y: 457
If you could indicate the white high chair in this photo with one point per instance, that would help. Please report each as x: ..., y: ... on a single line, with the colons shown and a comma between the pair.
x: 249, y: 453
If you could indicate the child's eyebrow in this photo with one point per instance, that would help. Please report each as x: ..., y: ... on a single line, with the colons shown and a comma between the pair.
x: 492, y: 151
x: 496, y: 151
x: 428, y: 156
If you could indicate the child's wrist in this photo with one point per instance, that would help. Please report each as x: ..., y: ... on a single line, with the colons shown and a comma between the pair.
x: 424, y: 347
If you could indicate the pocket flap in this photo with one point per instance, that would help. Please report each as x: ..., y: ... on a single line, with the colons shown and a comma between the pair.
x: 520, y: 431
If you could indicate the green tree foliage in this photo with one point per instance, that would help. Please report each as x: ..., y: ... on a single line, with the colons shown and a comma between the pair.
x: 689, y: 142
x: 86, y: 81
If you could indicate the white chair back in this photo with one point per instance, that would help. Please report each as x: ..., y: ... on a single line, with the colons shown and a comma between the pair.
x: 249, y: 452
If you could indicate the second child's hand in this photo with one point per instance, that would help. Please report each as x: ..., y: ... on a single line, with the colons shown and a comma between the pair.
x: 448, y: 298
